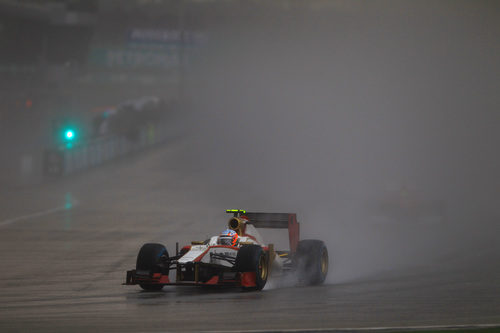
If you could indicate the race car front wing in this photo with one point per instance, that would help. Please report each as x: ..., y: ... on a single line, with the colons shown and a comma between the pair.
x: 196, y: 273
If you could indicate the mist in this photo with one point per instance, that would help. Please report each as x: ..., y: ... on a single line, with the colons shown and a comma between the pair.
x: 376, y: 122
x: 128, y: 127
x: 333, y: 112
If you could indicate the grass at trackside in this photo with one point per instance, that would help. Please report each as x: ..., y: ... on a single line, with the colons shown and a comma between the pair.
x: 473, y: 330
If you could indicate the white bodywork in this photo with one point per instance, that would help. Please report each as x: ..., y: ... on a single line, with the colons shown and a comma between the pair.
x: 213, y: 248
x: 208, y: 250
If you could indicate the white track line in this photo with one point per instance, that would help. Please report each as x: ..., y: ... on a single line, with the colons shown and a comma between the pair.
x: 366, y: 329
x: 37, y: 214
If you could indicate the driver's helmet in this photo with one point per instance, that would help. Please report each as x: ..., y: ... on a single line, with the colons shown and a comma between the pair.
x: 228, y: 237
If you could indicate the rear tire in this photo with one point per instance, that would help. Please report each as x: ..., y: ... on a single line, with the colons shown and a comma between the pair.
x: 152, y: 258
x: 252, y: 258
x: 311, y: 262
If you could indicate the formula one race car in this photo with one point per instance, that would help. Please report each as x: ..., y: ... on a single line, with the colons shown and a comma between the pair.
x: 237, y: 257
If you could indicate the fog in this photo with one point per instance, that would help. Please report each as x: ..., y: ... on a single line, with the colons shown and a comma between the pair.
x: 328, y: 113
x: 376, y: 122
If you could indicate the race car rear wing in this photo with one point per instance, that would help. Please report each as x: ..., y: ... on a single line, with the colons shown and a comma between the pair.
x: 274, y: 220
x: 269, y: 220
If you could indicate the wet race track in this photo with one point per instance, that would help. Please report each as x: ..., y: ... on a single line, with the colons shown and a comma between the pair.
x: 65, y: 247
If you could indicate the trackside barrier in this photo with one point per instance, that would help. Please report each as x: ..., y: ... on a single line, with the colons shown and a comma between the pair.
x: 65, y: 161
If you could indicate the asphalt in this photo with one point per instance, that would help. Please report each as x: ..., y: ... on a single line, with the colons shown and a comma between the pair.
x: 65, y: 247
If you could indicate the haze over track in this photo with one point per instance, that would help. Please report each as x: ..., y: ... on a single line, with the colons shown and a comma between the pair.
x: 64, y: 270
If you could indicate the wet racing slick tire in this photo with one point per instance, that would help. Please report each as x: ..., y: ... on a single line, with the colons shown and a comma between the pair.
x: 311, y: 261
x: 152, y: 258
x: 252, y: 258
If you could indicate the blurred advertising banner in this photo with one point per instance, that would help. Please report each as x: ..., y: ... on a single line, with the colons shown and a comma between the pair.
x: 155, y: 36
x: 151, y: 37
x: 148, y: 48
x: 134, y: 58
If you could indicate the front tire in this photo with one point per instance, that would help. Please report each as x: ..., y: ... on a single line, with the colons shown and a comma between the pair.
x: 311, y: 262
x: 152, y: 258
x: 252, y: 258
x: 151, y: 287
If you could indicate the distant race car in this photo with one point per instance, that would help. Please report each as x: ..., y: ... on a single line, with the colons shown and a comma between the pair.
x: 236, y: 257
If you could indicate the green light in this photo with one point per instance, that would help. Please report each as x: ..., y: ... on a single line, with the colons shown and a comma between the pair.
x: 69, y: 135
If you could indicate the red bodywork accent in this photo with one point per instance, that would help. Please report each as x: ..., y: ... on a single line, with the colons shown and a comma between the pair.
x: 213, y: 280
x: 293, y: 232
x: 248, y: 279
x: 156, y: 278
x: 159, y: 278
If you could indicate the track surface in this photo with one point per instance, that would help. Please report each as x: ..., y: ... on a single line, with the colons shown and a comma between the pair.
x: 65, y: 247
